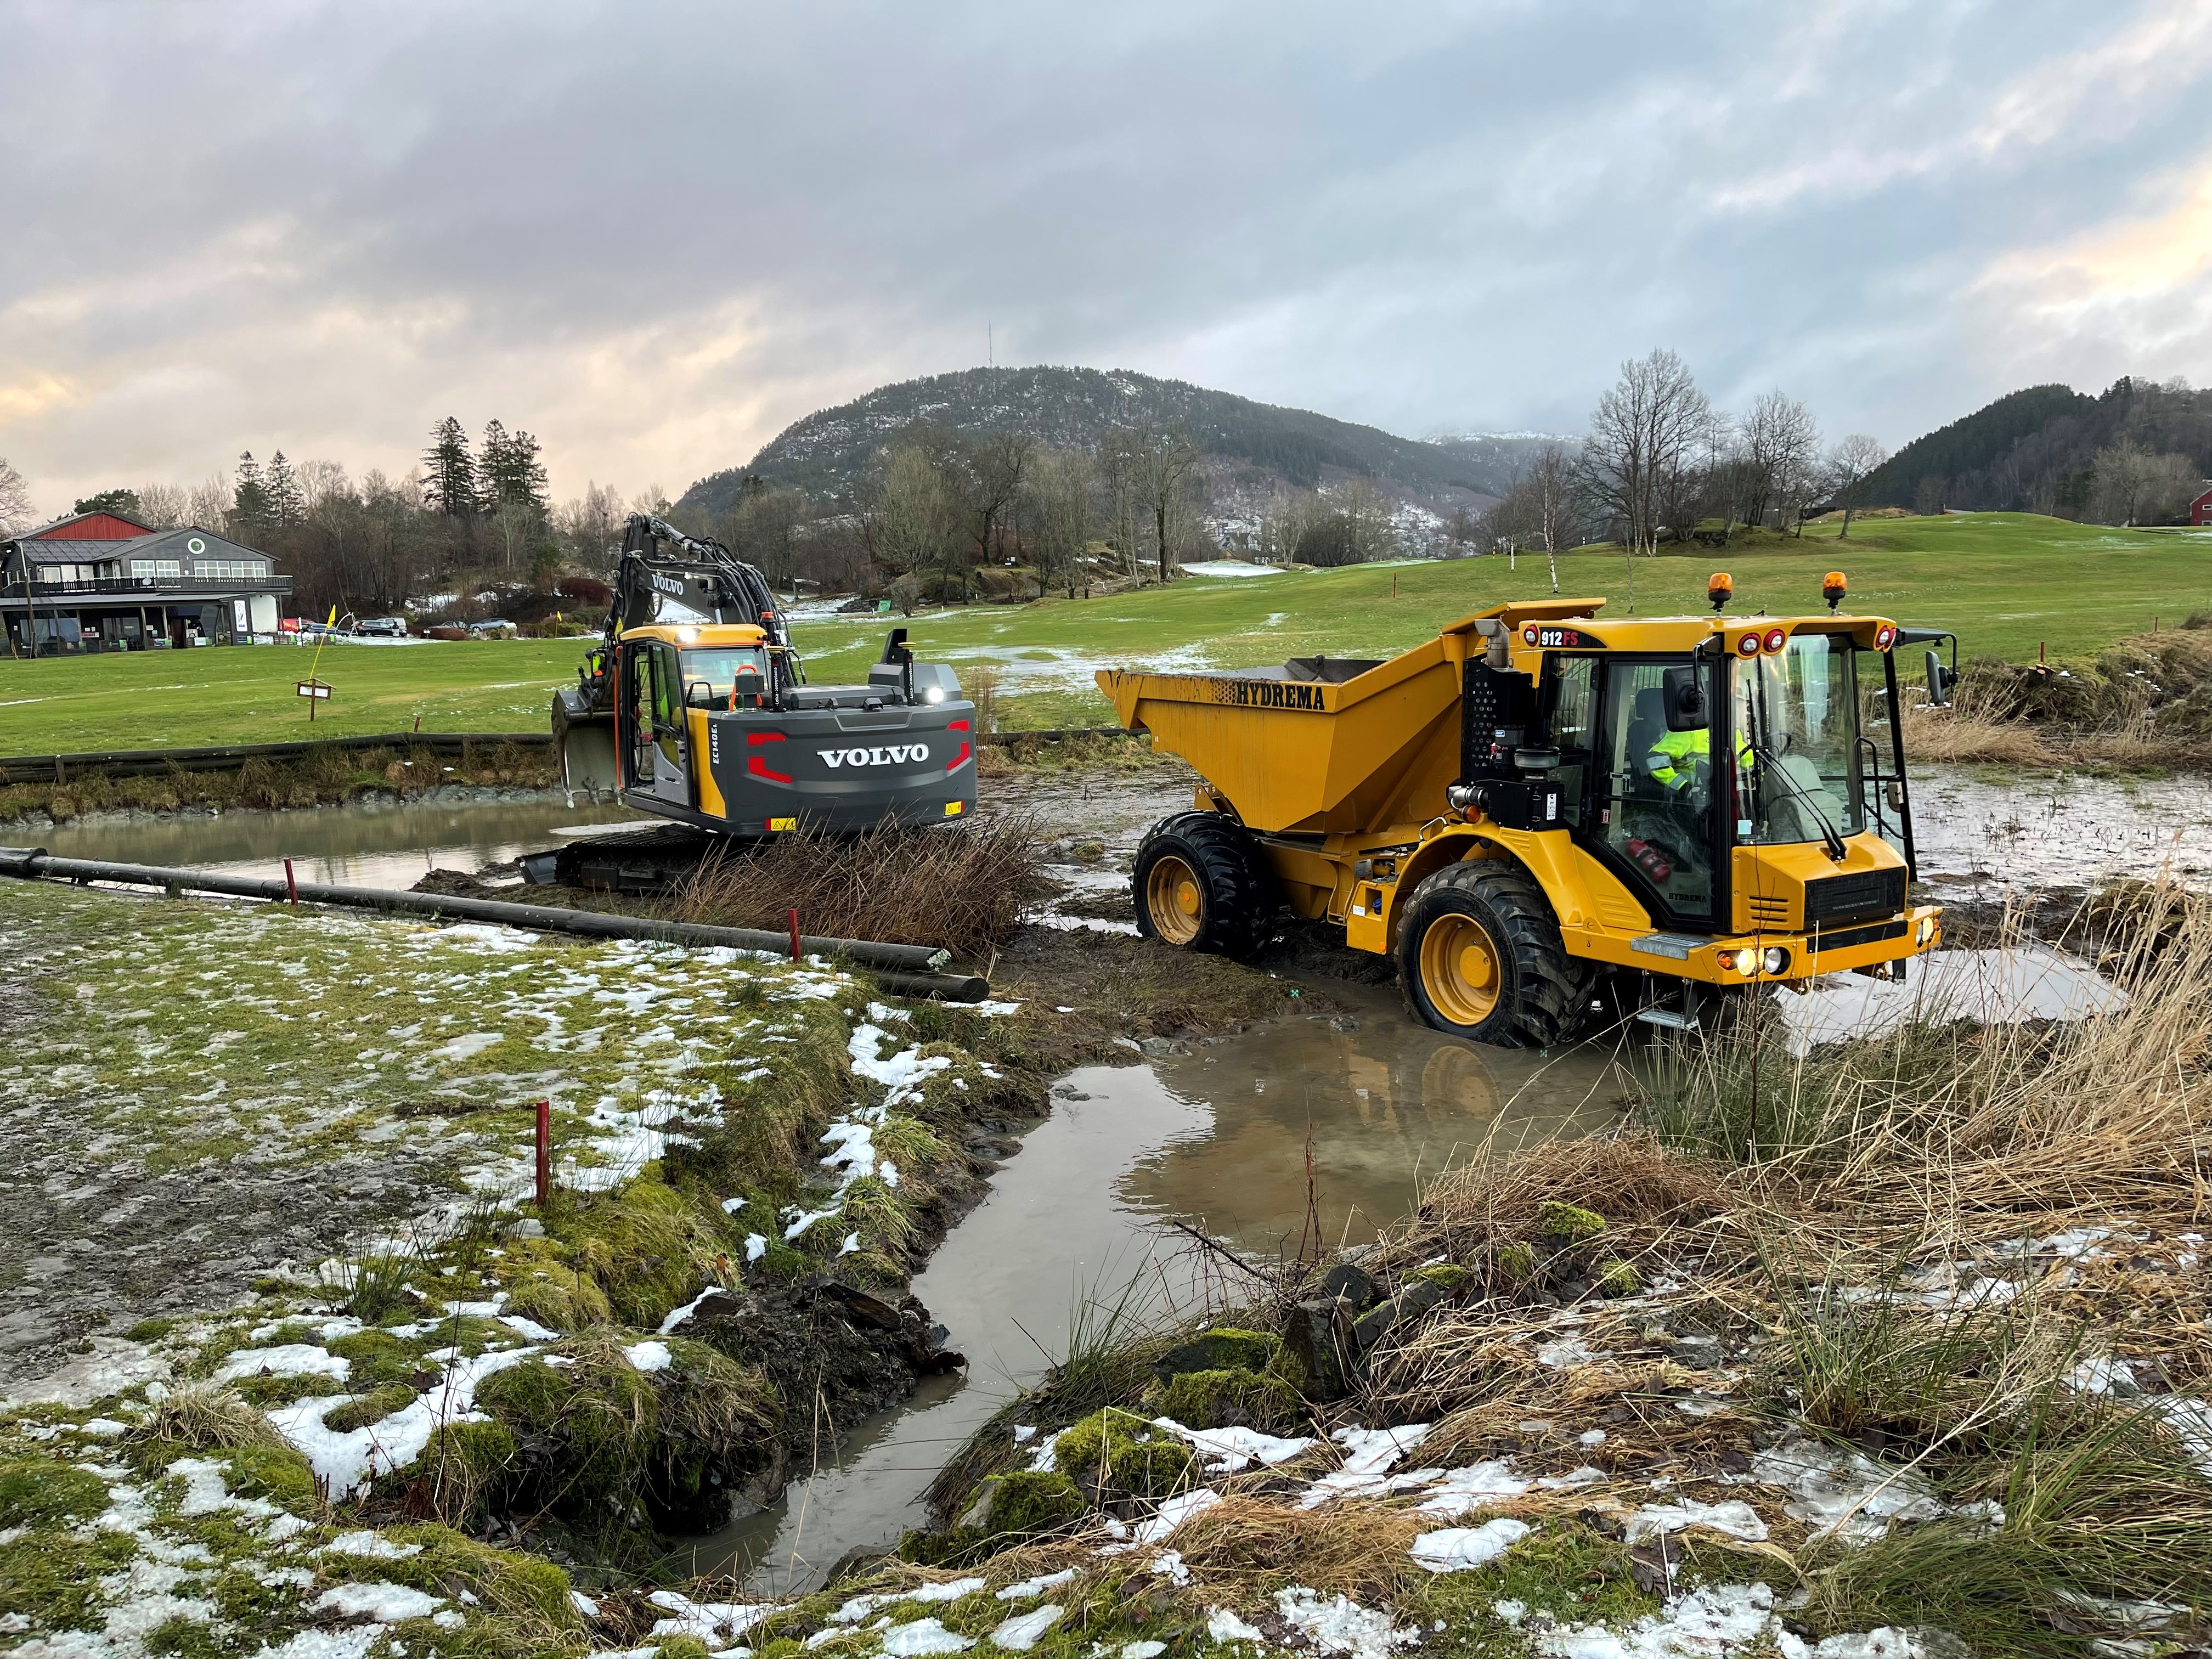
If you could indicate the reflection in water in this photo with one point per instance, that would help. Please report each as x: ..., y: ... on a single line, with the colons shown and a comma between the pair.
x: 363, y: 846
x: 1389, y: 1106
x: 1216, y: 1138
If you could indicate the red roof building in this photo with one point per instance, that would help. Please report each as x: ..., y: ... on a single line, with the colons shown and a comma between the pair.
x: 98, y: 582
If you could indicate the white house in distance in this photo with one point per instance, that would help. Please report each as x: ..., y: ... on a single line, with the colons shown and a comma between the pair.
x: 97, y: 581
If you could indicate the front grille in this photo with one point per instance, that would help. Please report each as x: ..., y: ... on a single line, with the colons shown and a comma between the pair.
x: 1849, y: 898
x: 1838, y: 939
x: 1766, y: 912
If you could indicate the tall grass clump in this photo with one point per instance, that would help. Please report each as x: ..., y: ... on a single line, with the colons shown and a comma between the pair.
x: 963, y: 888
x: 1940, y: 1118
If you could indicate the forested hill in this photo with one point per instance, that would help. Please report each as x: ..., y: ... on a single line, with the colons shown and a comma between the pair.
x: 1074, y: 408
x: 2037, y: 449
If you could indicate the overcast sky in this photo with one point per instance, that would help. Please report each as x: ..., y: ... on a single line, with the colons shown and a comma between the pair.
x: 655, y: 234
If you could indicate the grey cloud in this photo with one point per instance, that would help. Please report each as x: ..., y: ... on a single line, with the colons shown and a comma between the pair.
x: 655, y: 234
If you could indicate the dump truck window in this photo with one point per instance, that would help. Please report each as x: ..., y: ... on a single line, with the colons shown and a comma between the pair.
x: 1572, y: 719
x: 1797, y: 712
x: 1656, y: 816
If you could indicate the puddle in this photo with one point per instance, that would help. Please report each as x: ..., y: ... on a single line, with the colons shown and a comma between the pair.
x: 363, y: 845
x: 2062, y: 829
x: 1991, y: 988
x: 1215, y: 1137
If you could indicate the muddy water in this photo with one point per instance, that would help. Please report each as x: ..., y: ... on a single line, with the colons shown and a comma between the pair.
x: 2061, y: 828
x: 359, y: 846
x: 1214, y: 1136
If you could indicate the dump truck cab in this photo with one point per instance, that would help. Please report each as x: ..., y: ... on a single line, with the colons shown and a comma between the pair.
x: 1543, y: 794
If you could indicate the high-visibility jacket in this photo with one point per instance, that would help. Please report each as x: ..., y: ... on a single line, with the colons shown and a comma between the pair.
x: 1672, y: 755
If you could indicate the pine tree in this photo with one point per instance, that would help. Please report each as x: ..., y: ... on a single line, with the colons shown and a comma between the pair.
x: 252, y: 513
x: 449, y: 480
x: 510, y: 471
x: 287, y: 505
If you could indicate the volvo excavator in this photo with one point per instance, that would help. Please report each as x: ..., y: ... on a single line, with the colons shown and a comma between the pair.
x: 1546, y: 797
x: 695, y: 706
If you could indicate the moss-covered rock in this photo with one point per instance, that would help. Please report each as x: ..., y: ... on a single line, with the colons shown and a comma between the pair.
x: 1515, y: 1261
x: 37, y: 1490
x: 1567, y: 1221
x: 1227, y: 1399
x: 1118, y: 1451
x: 373, y: 1407
x: 1616, y: 1278
x: 1032, y: 1501
x: 587, y: 1428
x: 378, y: 1358
x: 1448, y: 1276
x: 1225, y: 1349
x: 276, y: 1473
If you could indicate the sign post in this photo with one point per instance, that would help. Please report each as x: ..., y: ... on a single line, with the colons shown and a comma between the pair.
x: 312, y: 687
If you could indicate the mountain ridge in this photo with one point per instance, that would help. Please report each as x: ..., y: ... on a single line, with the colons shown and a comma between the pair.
x: 826, y: 452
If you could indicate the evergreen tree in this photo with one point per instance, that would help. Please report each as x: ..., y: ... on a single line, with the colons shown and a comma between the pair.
x: 287, y: 505
x: 252, y: 513
x: 510, y: 472
x: 449, y: 476
x: 122, y: 502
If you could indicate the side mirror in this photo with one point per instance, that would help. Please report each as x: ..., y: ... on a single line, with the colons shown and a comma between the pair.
x: 1939, y: 681
x: 1684, y: 699
x: 699, y: 695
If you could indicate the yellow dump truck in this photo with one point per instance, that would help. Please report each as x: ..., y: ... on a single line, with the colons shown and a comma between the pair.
x: 1543, y: 795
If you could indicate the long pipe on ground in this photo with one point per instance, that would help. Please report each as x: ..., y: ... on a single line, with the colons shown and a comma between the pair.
x: 907, y: 969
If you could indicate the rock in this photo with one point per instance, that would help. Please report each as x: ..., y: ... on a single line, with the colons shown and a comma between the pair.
x: 1403, y: 1309
x: 1320, y: 1337
x: 1222, y: 1350
x: 1157, y: 1048
x: 1569, y: 1222
x: 1344, y: 1023
x: 1348, y: 1284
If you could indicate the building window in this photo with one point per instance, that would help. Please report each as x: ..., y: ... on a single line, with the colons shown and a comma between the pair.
x: 157, y: 567
x: 71, y: 575
x: 229, y: 570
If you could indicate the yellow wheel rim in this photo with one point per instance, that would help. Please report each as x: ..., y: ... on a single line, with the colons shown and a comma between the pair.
x: 1174, y: 900
x: 1459, y: 969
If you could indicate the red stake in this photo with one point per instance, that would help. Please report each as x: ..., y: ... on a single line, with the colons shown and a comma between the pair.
x: 544, y: 1154
x: 291, y: 887
x: 792, y: 916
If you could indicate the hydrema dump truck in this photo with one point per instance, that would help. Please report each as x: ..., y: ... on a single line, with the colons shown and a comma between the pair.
x: 695, y: 707
x: 1541, y: 795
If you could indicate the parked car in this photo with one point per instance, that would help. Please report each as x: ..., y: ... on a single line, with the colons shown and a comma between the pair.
x: 382, y: 628
x: 497, y: 627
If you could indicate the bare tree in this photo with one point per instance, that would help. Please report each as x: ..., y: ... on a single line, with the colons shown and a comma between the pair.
x: 16, y: 515
x: 209, y: 504
x: 1850, y: 465
x: 2135, y: 486
x: 1369, y: 525
x: 162, y: 507
x: 589, y: 524
x: 915, y: 516
x: 1062, y: 482
x: 1638, y: 433
x: 989, y: 480
x: 1166, y: 461
x: 1284, y: 525
x: 1118, y: 477
x: 1782, y: 442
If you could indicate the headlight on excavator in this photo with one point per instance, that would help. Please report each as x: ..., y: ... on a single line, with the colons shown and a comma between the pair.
x: 935, y: 693
x: 1777, y: 960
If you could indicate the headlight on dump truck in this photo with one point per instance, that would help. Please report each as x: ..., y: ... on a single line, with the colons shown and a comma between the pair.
x: 1927, y: 930
x: 1777, y: 960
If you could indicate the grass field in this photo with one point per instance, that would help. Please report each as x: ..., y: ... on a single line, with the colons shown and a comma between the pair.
x: 2008, y: 582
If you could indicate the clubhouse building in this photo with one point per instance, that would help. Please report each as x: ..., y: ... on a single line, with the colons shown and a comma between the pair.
x: 97, y: 581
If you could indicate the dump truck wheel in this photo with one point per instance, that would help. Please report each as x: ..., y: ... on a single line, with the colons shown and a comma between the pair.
x: 1479, y: 955
x: 1199, y: 885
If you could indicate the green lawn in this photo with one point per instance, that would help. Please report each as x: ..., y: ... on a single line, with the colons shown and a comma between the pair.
x: 2007, y: 581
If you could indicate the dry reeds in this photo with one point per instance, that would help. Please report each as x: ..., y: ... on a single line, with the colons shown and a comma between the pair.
x: 963, y: 888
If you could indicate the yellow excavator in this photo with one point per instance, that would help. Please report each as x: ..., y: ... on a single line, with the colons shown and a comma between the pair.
x: 1541, y: 796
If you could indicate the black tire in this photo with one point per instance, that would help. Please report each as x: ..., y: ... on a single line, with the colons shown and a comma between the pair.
x: 1542, y: 995
x: 1213, y: 861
